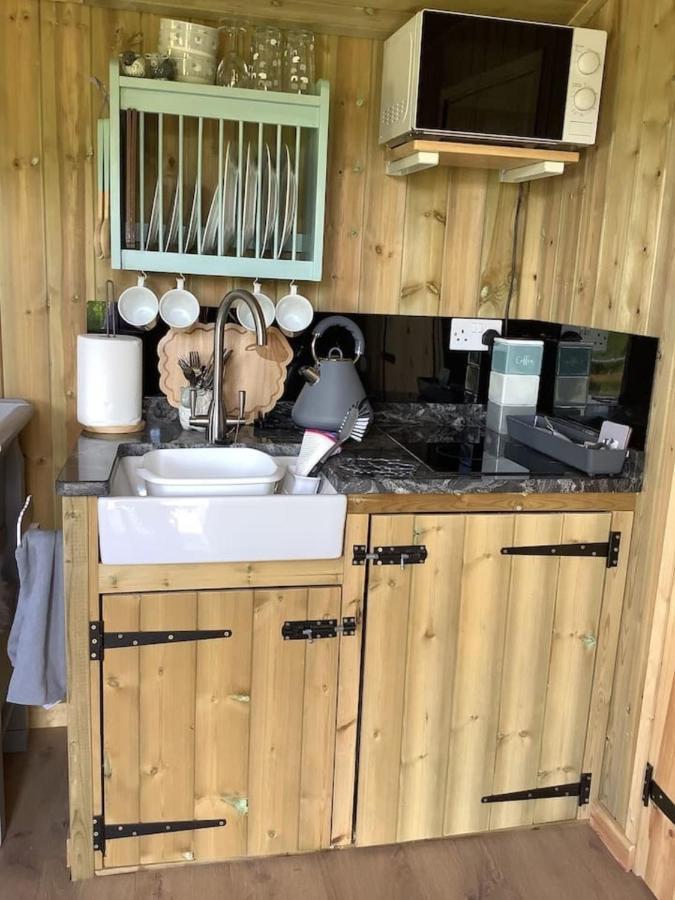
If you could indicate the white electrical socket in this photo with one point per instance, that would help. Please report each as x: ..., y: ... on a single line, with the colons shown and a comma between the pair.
x: 467, y: 334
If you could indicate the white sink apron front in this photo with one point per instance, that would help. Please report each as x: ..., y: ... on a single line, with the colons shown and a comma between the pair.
x: 137, y: 530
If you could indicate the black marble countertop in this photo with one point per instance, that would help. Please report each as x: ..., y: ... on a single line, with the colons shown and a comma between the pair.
x: 379, y: 464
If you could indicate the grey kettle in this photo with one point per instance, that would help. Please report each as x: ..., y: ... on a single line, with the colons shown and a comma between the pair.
x: 332, y: 383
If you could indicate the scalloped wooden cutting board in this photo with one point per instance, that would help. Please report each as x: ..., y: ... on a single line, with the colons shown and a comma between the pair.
x: 260, y: 371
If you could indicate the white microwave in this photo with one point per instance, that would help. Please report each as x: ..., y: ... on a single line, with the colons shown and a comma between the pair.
x: 458, y: 77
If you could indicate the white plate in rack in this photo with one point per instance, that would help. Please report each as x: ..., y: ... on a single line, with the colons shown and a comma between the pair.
x: 209, y: 244
x: 250, y: 197
x: 289, y: 195
x: 271, y: 195
x: 230, y: 189
x: 172, y: 232
x: 153, y: 224
x: 192, y: 225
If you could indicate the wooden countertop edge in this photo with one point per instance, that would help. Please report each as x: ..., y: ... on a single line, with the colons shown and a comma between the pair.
x: 489, y: 502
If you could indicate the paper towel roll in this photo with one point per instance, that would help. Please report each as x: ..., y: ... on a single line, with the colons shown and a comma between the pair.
x: 109, y: 381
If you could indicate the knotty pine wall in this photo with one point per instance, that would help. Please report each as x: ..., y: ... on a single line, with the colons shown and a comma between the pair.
x: 616, y: 227
x: 436, y: 243
x: 596, y: 248
x: 439, y: 243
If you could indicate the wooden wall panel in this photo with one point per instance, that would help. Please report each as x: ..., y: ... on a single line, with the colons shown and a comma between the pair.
x: 23, y: 288
x: 344, y: 17
x: 464, y: 224
x: 423, y: 243
x: 346, y: 181
x: 497, y: 248
x: 650, y: 570
x: 439, y: 242
x: 593, y: 249
x: 591, y: 236
x: 67, y: 176
x: 382, y: 250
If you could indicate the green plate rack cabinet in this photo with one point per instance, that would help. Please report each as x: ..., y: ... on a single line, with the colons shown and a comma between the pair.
x: 172, y: 145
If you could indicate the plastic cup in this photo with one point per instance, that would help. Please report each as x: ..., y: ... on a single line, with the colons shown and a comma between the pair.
x: 299, y: 484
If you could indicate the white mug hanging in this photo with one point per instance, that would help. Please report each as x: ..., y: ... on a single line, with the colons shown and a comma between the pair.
x: 266, y: 306
x: 294, y: 312
x: 138, y: 305
x: 179, y: 308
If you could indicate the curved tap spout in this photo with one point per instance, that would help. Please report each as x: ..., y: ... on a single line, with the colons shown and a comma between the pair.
x: 217, y: 420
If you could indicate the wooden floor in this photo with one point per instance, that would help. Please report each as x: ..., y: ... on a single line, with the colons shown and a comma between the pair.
x: 554, y: 863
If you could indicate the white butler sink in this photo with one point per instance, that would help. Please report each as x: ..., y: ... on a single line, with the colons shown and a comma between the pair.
x: 136, y: 529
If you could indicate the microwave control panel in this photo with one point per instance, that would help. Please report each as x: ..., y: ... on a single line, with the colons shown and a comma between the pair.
x: 584, y: 86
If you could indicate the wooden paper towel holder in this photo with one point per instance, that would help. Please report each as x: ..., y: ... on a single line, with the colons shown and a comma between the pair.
x: 114, y: 429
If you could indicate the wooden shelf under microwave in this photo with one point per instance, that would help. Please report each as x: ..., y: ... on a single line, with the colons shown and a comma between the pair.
x: 515, y: 163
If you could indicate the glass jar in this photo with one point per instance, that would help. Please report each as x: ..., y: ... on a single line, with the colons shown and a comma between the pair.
x: 265, y: 66
x: 233, y: 70
x: 298, y: 74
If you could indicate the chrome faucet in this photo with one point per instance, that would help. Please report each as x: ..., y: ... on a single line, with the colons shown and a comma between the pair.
x: 216, y: 421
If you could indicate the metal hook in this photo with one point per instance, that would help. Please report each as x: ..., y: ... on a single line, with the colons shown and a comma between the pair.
x: 110, y: 317
x: 19, y: 521
x: 101, y: 88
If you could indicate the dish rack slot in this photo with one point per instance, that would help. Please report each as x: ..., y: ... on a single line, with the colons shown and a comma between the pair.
x: 212, y: 180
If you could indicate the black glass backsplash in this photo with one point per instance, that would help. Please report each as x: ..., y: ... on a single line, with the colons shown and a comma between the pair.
x: 407, y: 358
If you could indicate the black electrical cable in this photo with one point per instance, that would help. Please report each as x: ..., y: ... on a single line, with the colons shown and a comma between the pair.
x: 514, y: 254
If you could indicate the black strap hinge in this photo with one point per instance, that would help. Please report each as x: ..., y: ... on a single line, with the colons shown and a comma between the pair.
x: 608, y: 550
x: 651, y: 791
x: 315, y: 629
x: 580, y: 789
x: 411, y: 555
x: 100, y: 640
x: 103, y: 833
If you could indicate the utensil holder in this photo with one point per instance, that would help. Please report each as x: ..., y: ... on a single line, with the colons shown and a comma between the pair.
x: 202, y: 407
x: 588, y: 460
x: 299, y: 484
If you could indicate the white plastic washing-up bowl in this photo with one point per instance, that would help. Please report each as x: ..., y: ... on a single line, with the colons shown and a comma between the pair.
x: 209, y: 472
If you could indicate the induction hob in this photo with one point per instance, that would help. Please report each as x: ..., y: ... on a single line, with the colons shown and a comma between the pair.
x: 490, y: 454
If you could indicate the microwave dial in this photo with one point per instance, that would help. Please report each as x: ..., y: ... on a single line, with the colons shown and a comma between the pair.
x: 588, y: 62
x: 585, y: 98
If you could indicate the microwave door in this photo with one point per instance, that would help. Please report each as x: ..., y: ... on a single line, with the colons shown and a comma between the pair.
x: 503, y: 98
x: 491, y: 78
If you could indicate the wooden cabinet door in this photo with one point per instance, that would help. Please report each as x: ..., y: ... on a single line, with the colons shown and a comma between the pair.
x: 480, y: 670
x: 238, y: 728
x: 659, y: 872
x: 655, y: 860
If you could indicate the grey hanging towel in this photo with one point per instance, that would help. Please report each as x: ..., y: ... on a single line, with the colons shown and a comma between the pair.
x: 36, y: 644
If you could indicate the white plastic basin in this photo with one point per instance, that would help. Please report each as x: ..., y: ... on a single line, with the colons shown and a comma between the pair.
x: 135, y: 529
x: 209, y: 472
